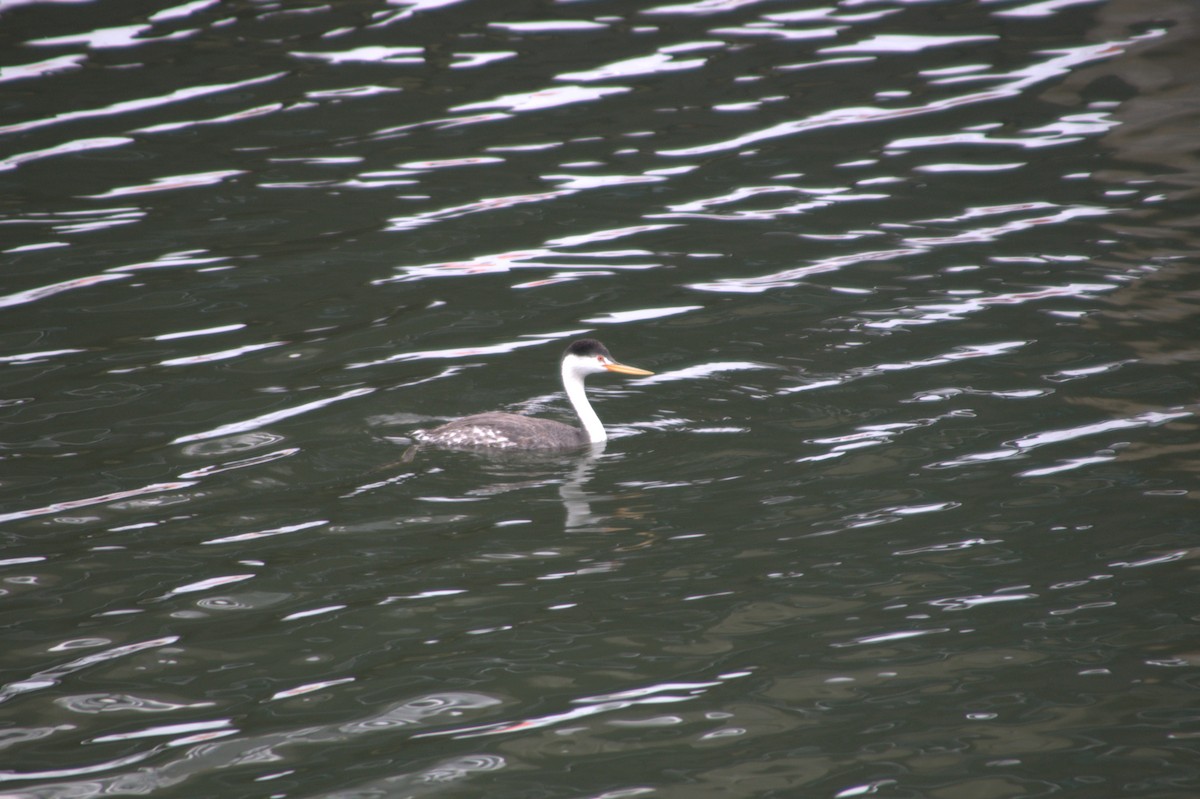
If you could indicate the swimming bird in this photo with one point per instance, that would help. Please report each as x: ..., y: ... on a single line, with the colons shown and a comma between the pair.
x: 498, y: 430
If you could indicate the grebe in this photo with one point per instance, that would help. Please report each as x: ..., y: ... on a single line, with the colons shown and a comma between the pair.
x: 512, y: 431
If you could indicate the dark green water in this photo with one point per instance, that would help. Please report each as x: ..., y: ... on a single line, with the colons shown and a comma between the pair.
x: 906, y: 511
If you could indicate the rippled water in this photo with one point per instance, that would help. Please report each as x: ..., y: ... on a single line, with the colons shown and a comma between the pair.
x: 905, y: 511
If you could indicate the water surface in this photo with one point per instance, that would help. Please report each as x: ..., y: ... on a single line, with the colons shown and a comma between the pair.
x: 905, y: 510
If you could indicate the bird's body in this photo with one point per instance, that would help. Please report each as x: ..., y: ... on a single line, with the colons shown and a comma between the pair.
x: 498, y: 430
x: 505, y: 431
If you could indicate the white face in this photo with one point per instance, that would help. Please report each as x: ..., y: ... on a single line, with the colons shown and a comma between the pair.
x: 586, y: 365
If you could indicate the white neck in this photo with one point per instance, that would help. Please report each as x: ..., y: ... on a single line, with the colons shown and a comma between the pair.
x: 573, y: 383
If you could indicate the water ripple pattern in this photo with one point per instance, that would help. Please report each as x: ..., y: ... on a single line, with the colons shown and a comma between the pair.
x: 904, y: 510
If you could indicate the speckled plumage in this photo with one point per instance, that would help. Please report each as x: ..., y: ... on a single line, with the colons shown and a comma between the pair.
x: 497, y: 430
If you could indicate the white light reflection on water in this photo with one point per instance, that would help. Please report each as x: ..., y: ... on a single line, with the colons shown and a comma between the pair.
x: 906, y: 43
x: 254, y: 536
x: 488, y: 204
x: 1059, y: 64
x: 204, y: 755
x: 143, y: 104
x: 104, y: 38
x: 701, y: 371
x: 170, y: 183
x: 224, y: 119
x: 1043, y: 8
x: 643, y: 65
x: 101, y: 499
x: 30, y: 357
x: 542, y: 99
x: 164, y: 730
x: 50, y: 677
x: 642, y: 315
x: 535, y: 340
x: 68, y: 148
x: 1021, y: 447
x: 897, y: 635
x: 666, y: 693
x: 208, y: 331
x: 250, y: 425
x: 962, y: 353
x: 42, y: 292
x: 39, y: 68
x: 220, y: 355
x: 375, y: 54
